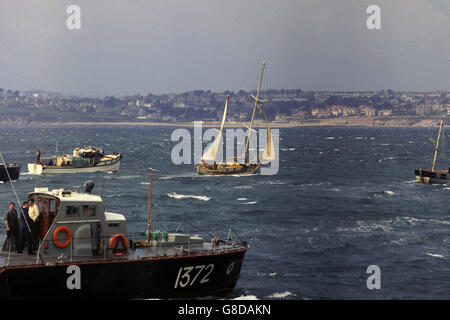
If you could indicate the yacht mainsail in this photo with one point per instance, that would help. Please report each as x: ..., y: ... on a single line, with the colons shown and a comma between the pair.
x: 269, y: 150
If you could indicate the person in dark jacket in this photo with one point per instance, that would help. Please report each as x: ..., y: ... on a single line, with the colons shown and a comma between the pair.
x: 26, y: 237
x: 12, y: 228
x: 38, y: 157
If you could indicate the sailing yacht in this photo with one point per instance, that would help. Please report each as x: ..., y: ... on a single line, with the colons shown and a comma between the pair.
x: 235, y: 167
x: 433, y: 176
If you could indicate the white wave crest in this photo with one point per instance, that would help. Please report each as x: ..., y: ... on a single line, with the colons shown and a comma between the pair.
x: 243, y: 187
x: 281, y: 294
x: 174, y: 195
x: 249, y: 297
x: 250, y: 202
x: 434, y: 255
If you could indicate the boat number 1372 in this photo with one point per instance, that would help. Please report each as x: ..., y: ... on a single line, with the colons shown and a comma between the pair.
x: 187, y: 276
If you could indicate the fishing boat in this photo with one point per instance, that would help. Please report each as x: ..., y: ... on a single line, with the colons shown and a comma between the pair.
x: 10, y: 169
x: 85, y: 252
x: 208, y: 164
x: 87, y: 159
x: 431, y: 176
x: 8, y: 172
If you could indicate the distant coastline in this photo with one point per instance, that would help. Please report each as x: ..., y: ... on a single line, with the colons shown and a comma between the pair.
x: 401, y: 122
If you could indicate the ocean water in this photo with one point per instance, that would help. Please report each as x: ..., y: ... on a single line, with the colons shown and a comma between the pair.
x: 343, y: 199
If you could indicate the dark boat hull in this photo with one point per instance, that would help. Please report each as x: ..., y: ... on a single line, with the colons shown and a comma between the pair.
x: 432, y: 177
x: 13, y: 173
x: 246, y: 169
x: 159, y: 277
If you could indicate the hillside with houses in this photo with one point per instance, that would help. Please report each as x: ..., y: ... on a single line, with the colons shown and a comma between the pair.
x: 281, y: 106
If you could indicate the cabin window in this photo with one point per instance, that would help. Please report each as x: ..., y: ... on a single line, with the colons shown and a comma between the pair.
x: 72, y: 211
x: 88, y: 210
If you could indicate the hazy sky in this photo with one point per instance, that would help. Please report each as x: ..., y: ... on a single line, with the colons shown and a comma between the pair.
x: 161, y: 46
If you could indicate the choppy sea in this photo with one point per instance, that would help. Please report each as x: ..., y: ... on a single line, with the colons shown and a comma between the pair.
x: 342, y: 200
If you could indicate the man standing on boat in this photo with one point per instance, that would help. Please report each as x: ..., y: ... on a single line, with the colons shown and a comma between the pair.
x: 12, y: 228
x: 38, y: 157
x: 26, y: 236
x: 33, y: 213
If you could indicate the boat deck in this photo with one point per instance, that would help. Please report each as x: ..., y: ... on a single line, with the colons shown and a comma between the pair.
x: 24, y: 259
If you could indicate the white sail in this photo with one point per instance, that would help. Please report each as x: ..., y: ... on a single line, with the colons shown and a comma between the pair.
x: 269, y: 150
x: 211, y: 152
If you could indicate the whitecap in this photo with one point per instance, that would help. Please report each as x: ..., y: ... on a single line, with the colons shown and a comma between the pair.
x: 389, y: 192
x: 330, y: 138
x: 434, y: 255
x: 276, y: 182
x: 243, y: 187
x: 174, y: 195
x: 249, y: 297
x: 241, y: 199
x: 251, y: 202
x: 281, y: 294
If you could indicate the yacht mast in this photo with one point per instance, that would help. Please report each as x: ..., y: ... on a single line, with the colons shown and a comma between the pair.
x: 253, y: 114
x: 437, y: 146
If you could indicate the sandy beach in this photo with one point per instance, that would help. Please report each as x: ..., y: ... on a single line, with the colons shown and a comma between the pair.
x: 341, y: 122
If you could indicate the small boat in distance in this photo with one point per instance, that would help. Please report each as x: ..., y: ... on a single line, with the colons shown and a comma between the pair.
x: 87, y: 159
x: 11, y: 169
x: 8, y: 172
x: 234, y: 167
x: 432, y: 175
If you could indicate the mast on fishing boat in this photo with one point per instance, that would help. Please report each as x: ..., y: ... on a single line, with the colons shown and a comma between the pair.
x: 150, y: 175
x: 253, y: 113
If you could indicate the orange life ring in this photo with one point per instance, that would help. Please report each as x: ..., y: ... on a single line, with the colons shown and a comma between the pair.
x: 114, y: 241
x: 64, y: 244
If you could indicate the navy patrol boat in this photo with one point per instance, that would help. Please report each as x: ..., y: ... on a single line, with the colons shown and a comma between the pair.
x: 85, y: 252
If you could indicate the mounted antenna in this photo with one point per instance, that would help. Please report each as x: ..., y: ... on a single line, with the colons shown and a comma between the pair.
x: 150, y: 175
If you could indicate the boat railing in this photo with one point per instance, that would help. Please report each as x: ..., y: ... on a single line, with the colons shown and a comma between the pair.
x: 103, y: 249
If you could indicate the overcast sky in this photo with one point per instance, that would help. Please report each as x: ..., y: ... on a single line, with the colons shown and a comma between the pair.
x: 162, y: 46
